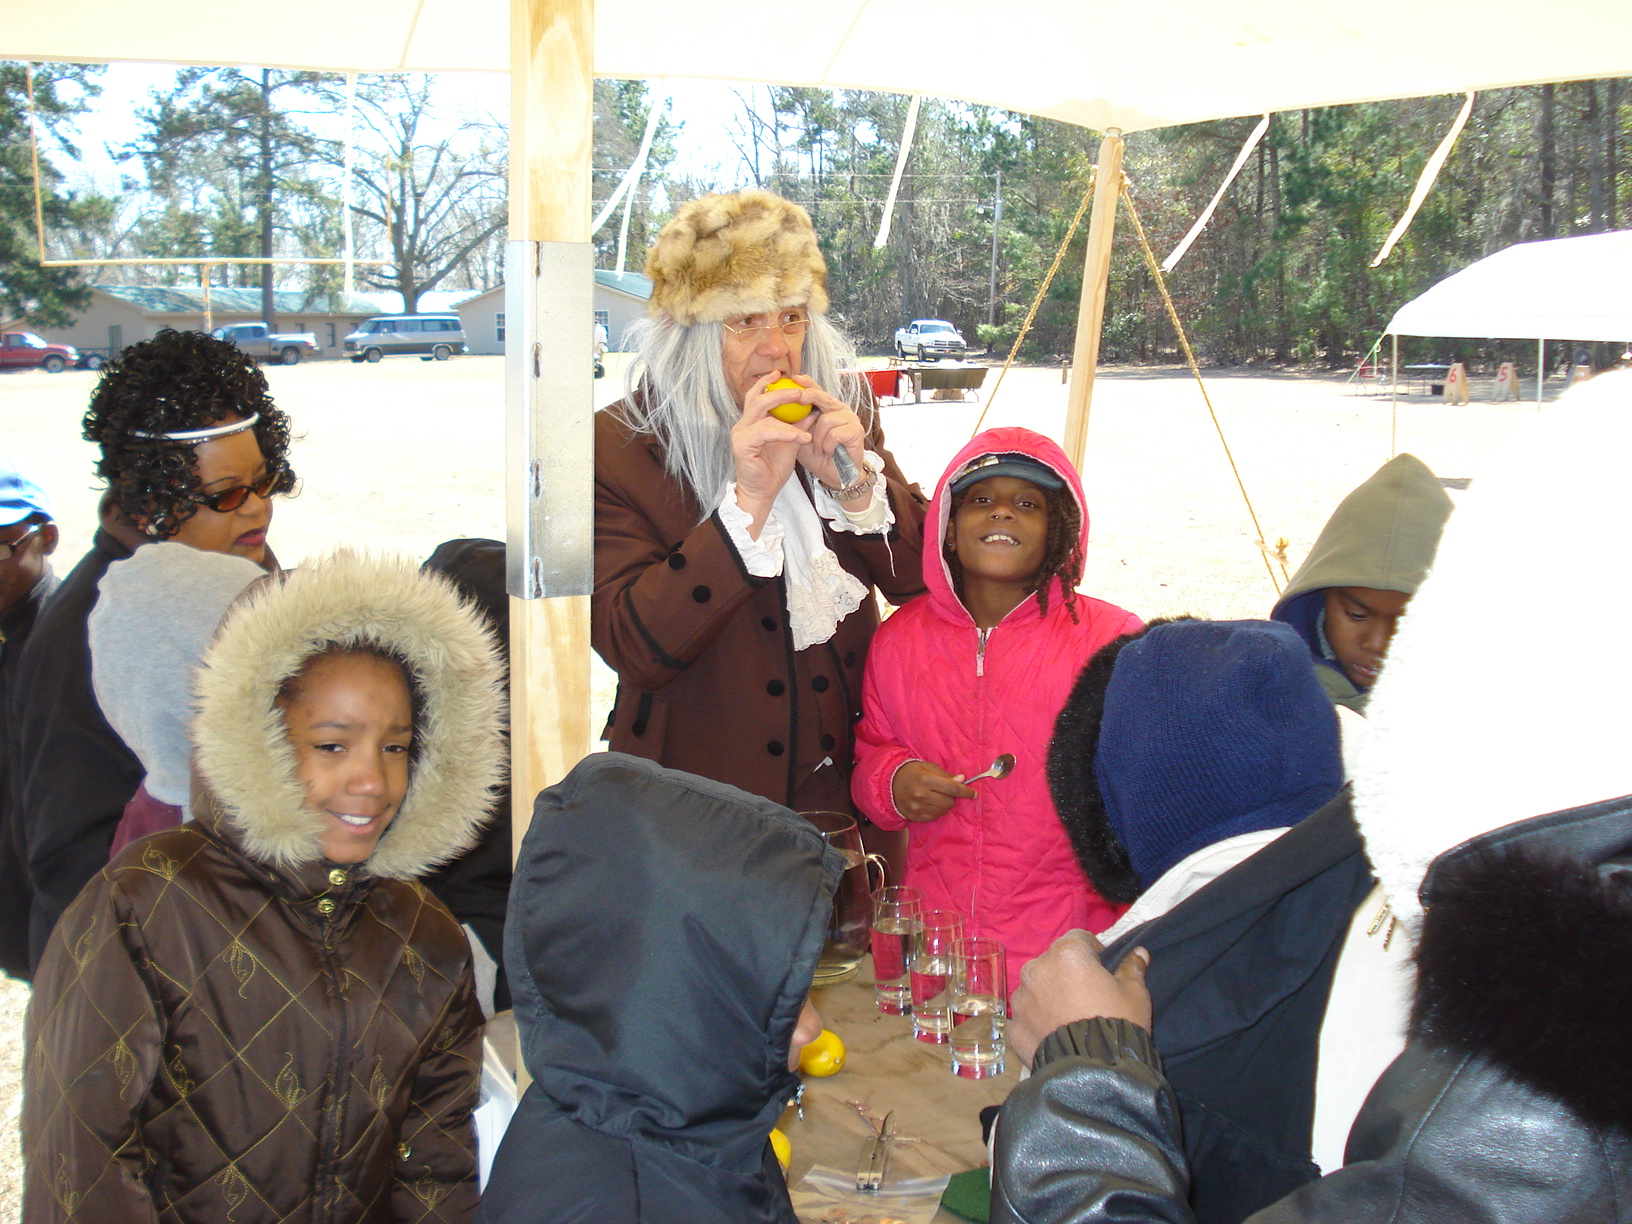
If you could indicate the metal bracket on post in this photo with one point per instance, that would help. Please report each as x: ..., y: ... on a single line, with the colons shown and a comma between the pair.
x: 549, y: 412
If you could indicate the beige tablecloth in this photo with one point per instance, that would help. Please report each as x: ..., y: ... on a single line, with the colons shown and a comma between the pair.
x: 886, y: 1069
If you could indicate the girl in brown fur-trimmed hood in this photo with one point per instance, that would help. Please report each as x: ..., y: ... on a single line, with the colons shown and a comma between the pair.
x: 262, y: 1015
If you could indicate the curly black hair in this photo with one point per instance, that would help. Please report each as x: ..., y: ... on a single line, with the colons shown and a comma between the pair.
x: 1062, y: 553
x: 176, y: 381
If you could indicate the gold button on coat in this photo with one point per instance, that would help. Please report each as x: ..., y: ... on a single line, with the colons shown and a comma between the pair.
x: 325, y: 907
x: 337, y: 876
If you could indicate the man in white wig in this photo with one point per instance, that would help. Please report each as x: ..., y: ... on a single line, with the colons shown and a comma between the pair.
x: 738, y: 542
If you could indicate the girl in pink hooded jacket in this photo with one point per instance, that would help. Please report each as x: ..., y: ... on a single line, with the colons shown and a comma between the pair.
x: 979, y: 666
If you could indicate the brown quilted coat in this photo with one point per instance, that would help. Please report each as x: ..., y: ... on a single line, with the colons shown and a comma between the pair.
x: 227, y: 1027
x: 708, y: 680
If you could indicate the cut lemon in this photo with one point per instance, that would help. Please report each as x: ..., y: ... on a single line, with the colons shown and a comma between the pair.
x: 782, y: 1148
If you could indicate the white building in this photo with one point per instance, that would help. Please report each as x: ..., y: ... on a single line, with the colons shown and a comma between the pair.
x: 619, y: 301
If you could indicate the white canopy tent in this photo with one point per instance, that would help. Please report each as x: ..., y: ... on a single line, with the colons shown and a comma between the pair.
x: 1087, y: 62
x: 1565, y: 289
x: 1562, y: 289
x: 1081, y: 61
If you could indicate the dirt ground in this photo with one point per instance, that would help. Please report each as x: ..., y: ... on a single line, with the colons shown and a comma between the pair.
x: 403, y: 455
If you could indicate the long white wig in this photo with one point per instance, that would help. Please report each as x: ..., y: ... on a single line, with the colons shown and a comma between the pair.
x: 676, y: 391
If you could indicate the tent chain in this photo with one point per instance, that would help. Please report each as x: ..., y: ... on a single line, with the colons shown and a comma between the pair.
x: 1190, y: 357
x: 1037, y: 301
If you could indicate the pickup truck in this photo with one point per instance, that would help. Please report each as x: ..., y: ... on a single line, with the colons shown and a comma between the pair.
x: 259, y: 340
x: 928, y: 339
x: 25, y: 350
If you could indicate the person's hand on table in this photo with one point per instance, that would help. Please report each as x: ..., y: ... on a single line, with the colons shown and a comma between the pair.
x: 1068, y: 983
x: 924, y: 791
x: 764, y: 450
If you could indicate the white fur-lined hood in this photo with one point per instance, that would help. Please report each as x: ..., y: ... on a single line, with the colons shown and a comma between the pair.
x: 244, y: 757
x: 1502, y: 698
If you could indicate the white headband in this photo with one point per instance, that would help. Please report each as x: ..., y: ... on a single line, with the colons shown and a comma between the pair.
x: 199, y: 435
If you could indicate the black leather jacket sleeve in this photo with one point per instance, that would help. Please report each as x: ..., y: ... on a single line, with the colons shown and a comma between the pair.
x: 1093, y: 1138
x: 1093, y: 1135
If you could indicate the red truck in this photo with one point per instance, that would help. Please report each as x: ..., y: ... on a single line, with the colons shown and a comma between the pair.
x: 25, y: 350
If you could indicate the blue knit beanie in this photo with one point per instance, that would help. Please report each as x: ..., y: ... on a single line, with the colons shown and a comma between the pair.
x: 1212, y: 729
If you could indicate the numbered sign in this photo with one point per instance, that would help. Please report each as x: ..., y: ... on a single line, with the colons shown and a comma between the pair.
x: 1456, y: 384
x: 1507, y: 382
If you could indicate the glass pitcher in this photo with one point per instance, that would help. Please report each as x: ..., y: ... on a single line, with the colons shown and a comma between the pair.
x: 848, y: 934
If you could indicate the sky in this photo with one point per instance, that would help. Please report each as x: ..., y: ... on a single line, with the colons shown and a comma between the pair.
x: 706, y: 108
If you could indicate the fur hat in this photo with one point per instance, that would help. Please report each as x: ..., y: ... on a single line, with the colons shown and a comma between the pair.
x: 740, y: 254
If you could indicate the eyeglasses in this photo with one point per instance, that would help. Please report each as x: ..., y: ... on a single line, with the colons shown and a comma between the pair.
x: 790, y: 325
x: 228, y: 500
x: 8, y: 551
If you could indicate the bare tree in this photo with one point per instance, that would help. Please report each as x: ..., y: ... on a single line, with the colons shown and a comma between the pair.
x: 430, y: 188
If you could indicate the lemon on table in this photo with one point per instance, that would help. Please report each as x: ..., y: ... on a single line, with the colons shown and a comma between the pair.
x: 782, y: 1148
x: 790, y: 413
x: 824, y: 1056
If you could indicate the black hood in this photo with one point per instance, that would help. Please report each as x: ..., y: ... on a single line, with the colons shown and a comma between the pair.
x: 663, y: 933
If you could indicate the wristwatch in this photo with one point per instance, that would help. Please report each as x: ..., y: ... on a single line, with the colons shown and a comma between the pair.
x: 860, y: 485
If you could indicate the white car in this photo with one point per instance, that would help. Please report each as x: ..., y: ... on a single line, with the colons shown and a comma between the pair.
x: 928, y: 340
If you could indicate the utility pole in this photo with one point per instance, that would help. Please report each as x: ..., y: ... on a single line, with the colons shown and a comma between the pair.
x: 997, y: 220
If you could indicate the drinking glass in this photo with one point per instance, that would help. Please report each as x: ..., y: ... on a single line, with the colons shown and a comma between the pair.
x: 846, y: 941
x: 979, y: 991
x: 930, y: 974
x: 896, y: 918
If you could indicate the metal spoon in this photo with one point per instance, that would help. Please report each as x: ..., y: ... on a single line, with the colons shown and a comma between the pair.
x: 1001, y: 768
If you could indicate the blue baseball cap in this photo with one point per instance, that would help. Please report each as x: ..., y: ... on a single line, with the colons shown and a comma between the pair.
x: 20, y: 497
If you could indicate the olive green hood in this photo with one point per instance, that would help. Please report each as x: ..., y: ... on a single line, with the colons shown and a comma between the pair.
x: 1383, y: 535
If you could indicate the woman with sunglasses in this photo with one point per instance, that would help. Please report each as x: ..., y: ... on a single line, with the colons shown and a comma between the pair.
x: 736, y: 550
x: 193, y: 449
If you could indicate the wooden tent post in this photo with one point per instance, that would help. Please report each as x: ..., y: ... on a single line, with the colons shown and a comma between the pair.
x: 549, y: 393
x: 1096, y: 273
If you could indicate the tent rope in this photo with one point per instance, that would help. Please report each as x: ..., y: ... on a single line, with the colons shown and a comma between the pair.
x: 1184, y: 343
x: 1037, y: 301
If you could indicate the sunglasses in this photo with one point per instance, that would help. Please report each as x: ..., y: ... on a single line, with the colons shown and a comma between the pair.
x: 9, y: 550
x: 228, y: 500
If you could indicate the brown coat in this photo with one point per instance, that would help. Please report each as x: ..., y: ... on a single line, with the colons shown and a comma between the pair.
x: 252, y: 1057
x: 708, y: 680
x: 226, y: 1026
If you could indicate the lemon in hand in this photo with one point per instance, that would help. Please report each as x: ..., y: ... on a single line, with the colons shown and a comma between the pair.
x: 791, y: 413
x: 824, y: 1056
x: 782, y: 1148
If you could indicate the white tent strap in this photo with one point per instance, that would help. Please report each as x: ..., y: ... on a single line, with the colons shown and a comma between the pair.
x: 907, y: 133
x: 1207, y: 213
x: 632, y: 176
x: 349, y: 158
x: 1426, y: 180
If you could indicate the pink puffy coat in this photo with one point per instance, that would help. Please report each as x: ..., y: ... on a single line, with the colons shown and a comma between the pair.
x: 934, y: 691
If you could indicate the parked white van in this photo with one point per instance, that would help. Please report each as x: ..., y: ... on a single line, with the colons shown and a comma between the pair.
x: 428, y: 337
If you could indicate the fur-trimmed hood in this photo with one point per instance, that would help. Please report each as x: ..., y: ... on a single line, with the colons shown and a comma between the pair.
x: 1526, y: 955
x: 745, y: 253
x: 243, y: 755
x: 1500, y: 701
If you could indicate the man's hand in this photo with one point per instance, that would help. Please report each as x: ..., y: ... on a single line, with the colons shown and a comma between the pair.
x: 925, y: 792
x: 832, y: 425
x: 1068, y: 983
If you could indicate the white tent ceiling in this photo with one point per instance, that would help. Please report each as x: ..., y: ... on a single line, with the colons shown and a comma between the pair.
x: 1088, y: 62
x: 1566, y: 289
